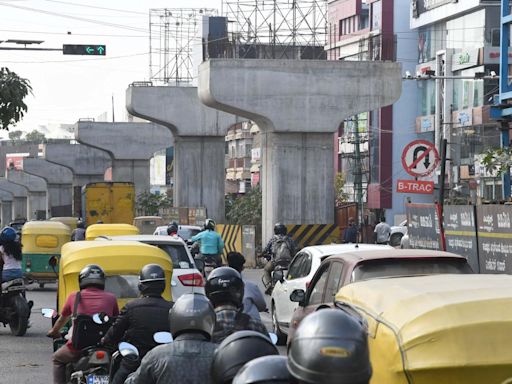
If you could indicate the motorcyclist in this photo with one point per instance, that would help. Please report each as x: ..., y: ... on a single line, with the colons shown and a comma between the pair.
x: 212, y: 244
x: 78, y: 233
x: 236, y: 350
x: 10, y: 250
x: 330, y: 346
x: 93, y: 299
x: 189, y: 357
x: 265, y: 370
x: 172, y: 229
x: 225, y: 289
x: 140, y: 319
x: 281, y: 248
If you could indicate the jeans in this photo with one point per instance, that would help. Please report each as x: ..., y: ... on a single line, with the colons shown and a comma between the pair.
x: 61, y: 358
x: 11, y: 274
x: 125, y: 368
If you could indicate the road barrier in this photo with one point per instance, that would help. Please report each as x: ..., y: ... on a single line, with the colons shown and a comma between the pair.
x: 314, y: 234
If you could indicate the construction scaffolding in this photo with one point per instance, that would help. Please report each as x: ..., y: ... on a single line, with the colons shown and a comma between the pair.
x: 174, y: 35
x: 277, y: 29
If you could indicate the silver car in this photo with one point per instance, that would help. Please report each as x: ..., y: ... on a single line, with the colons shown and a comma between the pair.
x: 186, y: 278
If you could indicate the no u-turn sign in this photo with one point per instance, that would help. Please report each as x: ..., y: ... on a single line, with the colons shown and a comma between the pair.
x: 420, y: 158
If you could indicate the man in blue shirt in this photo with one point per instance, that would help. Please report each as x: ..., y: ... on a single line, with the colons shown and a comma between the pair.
x: 212, y: 244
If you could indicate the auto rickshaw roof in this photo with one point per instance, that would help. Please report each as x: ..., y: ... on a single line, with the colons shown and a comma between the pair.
x: 115, y: 256
x: 45, y: 227
x: 96, y: 230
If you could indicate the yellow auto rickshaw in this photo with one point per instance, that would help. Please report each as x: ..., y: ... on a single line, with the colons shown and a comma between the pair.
x: 437, y: 328
x: 148, y: 224
x: 70, y: 221
x: 40, y: 241
x: 121, y: 261
x: 95, y: 230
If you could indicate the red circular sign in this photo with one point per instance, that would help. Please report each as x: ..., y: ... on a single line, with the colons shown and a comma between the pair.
x: 420, y: 158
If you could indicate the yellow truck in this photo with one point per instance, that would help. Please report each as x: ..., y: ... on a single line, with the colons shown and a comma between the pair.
x: 108, y: 202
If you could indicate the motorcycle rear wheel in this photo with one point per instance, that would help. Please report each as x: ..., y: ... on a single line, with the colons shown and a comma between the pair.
x: 19, y: 322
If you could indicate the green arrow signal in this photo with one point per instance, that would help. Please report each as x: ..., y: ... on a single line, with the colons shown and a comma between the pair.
x: 89, y: 50
x: 100, y: 49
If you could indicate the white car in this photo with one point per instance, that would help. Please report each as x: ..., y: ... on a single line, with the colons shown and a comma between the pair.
x: 300, y: 272
x: 184, y: 231
x: 397, y: 232
x: 186, y: 278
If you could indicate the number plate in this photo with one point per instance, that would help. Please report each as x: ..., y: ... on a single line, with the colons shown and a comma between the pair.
x: 97, y: 379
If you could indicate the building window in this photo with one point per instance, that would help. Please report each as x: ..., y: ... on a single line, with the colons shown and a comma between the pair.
x: 376, y: 15
x: 364, y: 19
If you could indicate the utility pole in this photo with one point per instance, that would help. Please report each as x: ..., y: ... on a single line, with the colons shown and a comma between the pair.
x: 358, y: 172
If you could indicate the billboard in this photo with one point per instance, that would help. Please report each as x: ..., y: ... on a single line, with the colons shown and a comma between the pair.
x: 495, y: 238
x: 423, y: 226
x: 460, y: 232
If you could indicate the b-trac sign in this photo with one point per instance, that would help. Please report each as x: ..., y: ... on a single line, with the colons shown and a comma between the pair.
x: 415, y: 186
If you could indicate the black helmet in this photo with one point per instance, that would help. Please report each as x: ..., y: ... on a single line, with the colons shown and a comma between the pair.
x: 225, y: 286
x: 267, y: 369
x: 280, y: 229
x: 330, y: 346
x: 151, y: 280
x: 209, y: 224
x: 236, y: 350
x: 80, y: 224
x: 91, y: 275
x: 192, y: 312
x: 172, y: 228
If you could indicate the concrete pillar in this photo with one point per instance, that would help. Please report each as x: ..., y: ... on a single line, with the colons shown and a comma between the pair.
x: 6, y: 207
x: 59, y: 182
x: 199, y: 134
x: 130, y: 145
x: 19, y: 202
x: 37, y: 205
x: 298, y: 104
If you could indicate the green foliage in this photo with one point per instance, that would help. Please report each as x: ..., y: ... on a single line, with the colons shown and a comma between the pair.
x: 13, y: 90
x: 339, y: 194
x: 498, y: 160
x: 149, y: 204
x: 35, y: 136
x: 15, y: 136
x: 244, y: 209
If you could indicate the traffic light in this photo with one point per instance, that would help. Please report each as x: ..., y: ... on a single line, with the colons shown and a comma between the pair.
x: 84, y: 49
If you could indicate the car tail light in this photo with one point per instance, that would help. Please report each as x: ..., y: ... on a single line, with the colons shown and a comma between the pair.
x: 192, y: 280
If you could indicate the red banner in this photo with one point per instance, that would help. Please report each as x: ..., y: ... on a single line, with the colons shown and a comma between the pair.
x: 415, y: 186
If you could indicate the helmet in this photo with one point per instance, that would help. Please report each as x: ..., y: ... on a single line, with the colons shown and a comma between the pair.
x: 192, y: 312
x: 280, y: 229
x: 80, y: 224
x: 330, y: 346
x: 225, y: 286
x: 267, y: 369
x: 172, y: 228
x: 8, y: 234
x: 151, y: 279
x: 91, y: 275
x: 209, y: 224
x: 236, y: 350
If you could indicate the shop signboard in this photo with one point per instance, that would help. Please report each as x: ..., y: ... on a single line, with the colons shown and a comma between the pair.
x: 423, y: 226
x: 495, y: 238
x: 460, y: 232
x: 465, y: 59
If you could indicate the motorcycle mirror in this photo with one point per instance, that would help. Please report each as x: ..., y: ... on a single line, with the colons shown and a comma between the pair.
x: 127, y: 349
x: 273, y: 337
x: 163, y: 337
x: 100, y: 318
x: 49, y: 313
x: 53, y: 261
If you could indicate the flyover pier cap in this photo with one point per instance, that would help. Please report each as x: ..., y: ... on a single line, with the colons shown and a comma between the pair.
x: 37, y: 205
x: 20, y: 195
x: 298, y: 105
x: 6, y: 199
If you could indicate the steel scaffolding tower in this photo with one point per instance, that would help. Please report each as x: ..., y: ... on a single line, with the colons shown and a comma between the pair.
x: 173, y: 36
x: 292, y: 29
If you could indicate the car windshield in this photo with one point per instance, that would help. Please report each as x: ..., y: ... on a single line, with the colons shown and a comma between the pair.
x: 374, y: 269
x: 187, y: 233
x: 123, y: 286
x: 178, y: 254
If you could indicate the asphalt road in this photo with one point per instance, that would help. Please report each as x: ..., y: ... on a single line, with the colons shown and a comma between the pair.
x: 27, y: 359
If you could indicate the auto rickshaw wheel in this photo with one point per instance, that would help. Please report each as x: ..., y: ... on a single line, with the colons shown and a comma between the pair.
x: 19, y: 321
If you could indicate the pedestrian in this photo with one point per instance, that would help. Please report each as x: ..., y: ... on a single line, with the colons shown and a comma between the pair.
x: 382, y: 232
x: 254, y: 301
x: 350, y: 234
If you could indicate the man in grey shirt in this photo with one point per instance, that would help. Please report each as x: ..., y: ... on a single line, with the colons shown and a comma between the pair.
x: 382, y: 232
x: 254, y: 301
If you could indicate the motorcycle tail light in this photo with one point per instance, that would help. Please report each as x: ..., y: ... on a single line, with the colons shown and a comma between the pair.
x: 192, y: 280
x: 100, y: 355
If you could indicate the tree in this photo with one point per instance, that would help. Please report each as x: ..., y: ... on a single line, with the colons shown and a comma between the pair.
x: 339, y: 192
x: 13, y: 90
x: 149, y: 204
x: 15, y: 136
x: 35, y: 136
x: 245, y: 210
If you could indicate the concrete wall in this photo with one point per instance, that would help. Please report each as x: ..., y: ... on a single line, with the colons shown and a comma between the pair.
x: 32, y: 149
x: 36, y: 187
x: 6, y: 207
x: 20, y: 194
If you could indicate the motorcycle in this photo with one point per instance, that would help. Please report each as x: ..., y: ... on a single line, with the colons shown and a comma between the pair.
x: 208, y: 263
x: 276, y: 275
x: 14, y: 307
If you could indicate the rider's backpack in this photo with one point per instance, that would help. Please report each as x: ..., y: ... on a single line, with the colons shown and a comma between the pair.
x: 282, y: 250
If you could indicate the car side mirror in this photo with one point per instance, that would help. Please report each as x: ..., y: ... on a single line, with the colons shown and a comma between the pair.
x: 199, y: 264
x: 278, y: 276
x: 298, y: 296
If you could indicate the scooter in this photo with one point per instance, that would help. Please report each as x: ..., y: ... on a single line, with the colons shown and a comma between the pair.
x: 14, y: 307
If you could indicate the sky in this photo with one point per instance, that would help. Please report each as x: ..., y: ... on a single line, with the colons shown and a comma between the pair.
x: 68, y: 87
